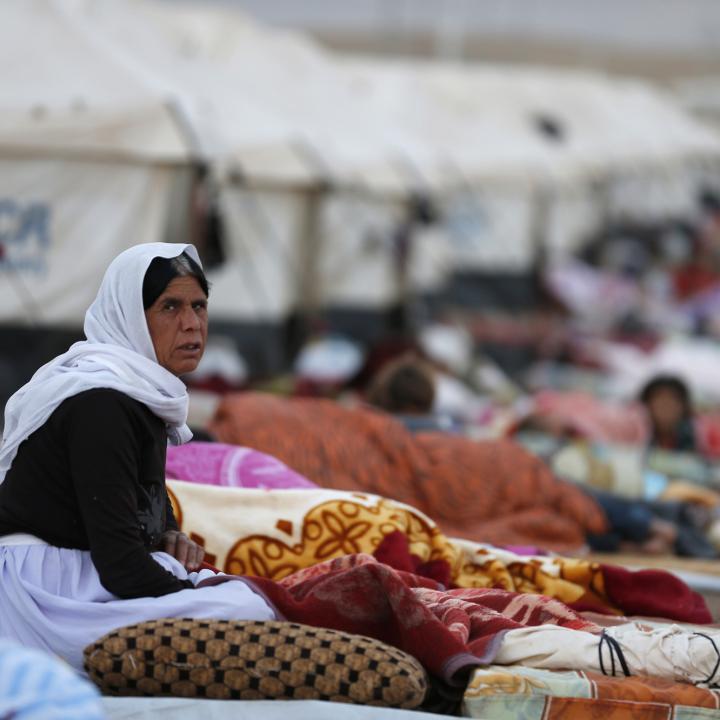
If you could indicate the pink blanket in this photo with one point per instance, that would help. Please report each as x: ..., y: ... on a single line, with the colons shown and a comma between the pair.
x: 210, y: 463
x: 590, y: 417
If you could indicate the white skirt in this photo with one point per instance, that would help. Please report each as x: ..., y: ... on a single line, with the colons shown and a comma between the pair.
x: 51, y: 598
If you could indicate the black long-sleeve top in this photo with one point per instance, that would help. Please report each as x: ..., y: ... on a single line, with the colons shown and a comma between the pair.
x: 93, y: 478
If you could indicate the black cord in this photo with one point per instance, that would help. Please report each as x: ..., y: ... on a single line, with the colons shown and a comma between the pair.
x: 717, y: 664
x: 602, y: 664
x: 615, y: 649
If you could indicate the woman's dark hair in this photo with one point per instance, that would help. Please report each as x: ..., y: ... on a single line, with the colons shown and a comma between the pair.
x: 162, y: 271
x: 668, y: 382
x: 406, y: 385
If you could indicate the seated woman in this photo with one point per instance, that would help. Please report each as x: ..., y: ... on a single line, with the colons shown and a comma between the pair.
x: 88, y: 541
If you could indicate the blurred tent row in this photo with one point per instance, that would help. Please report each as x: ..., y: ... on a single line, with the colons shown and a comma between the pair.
x: 315, y: 186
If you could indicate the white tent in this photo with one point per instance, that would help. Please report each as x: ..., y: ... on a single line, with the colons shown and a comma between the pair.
x: 162, y: 40
x: 701, y: 96
x: 628, y: 135
x: 274, y: 173
x: 345, y: 230
x: 543, y: 153
x: 255, y: 284
x: 493, y: 162
x: 100, y: 119
x: 89, y: 157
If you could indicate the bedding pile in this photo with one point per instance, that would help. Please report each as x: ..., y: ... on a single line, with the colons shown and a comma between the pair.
x: 273, y: 534
x: 490, y: 491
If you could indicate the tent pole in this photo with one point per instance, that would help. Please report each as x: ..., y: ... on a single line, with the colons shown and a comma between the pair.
x: 311, y: 247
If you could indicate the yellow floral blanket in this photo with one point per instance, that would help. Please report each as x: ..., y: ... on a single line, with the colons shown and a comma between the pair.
x: 275, y: 533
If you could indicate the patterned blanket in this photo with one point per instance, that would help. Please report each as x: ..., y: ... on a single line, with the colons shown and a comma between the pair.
x: 447, y: 631
x: 510, y: 692
x: 272, y: 534
x: 493, y: 491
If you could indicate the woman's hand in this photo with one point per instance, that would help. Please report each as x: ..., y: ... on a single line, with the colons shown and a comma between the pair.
x: 183, y: 549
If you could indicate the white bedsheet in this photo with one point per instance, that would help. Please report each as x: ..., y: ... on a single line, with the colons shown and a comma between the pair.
x: 189, y: 709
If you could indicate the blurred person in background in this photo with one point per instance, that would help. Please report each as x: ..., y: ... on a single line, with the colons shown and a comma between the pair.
x: 666, y: 399
x: 405, y: 388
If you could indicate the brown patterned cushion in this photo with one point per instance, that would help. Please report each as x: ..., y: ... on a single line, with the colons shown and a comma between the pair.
x: 247, y: 660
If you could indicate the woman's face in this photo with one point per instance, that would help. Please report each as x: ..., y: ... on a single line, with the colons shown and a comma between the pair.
x: 178, y: 322
x: 666, y: 409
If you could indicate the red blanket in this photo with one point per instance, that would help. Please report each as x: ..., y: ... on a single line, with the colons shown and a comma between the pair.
x: 654, y: 593
x: 447, y: 631
x: 651, y: 593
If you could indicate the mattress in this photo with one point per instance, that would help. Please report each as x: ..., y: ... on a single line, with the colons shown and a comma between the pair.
x: 128, y: 708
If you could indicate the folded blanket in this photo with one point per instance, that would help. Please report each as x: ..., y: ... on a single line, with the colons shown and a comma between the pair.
x: 509, y: 692
x: 448, y: 631
x: 493, y: 491
x: 273, y: 534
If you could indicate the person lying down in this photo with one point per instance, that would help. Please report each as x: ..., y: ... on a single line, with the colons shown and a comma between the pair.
x: 88, y: 540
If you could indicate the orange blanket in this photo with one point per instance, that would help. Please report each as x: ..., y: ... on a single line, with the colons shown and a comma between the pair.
x: 491, y: 491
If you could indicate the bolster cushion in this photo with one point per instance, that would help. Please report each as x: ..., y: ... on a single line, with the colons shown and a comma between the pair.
x: 245, y: 660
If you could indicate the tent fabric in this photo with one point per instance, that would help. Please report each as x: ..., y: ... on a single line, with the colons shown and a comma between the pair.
x: 358, y: 262
x: 85, y: 100
x: 457, y: 132
x: 62, y: 222
x: 247, y: 91
x: 491, y: 229
x: 217, y: 104
x: 263, y: 243
x: 256, y: 94
x: 90, y: 146
x: 93, y: 137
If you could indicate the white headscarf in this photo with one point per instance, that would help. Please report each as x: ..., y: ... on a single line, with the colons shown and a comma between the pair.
x: 117, y: 354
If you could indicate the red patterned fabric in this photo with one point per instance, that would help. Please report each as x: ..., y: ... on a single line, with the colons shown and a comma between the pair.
x: 651, y: 593
x: 446, y: 630
x: 394, y: 550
